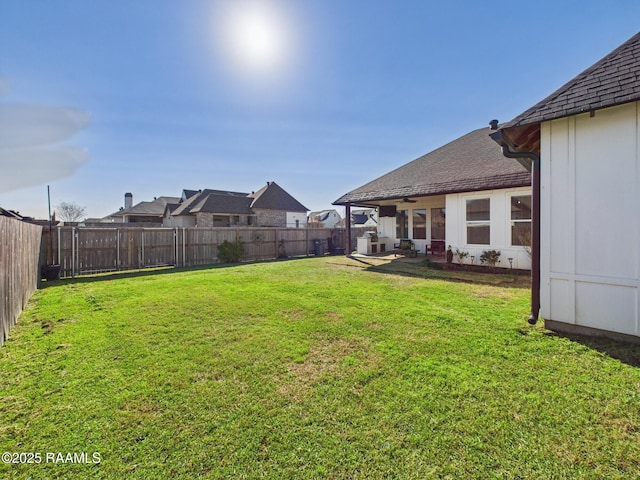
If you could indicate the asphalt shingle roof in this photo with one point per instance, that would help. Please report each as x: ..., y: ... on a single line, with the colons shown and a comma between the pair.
x: 273, y: 197
x: 472, y: 162
x: 153, y: 208
x: 613, y: 80
x: 199, y: 199
x: 224, y: 204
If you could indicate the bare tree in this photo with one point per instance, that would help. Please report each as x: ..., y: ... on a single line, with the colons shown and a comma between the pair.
x: 70, y: 211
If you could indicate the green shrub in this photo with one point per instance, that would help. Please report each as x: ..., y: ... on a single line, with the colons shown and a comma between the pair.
x: 231, y: 252
x: 427, y: 262
x: 461, y: 255
x: 490, y: 257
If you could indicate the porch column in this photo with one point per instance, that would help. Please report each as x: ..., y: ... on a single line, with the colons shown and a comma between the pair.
x: 347, y: 221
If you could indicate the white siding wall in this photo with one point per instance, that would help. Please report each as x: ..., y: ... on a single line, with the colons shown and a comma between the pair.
x: 292, y: 217
x: 456, y: 227
x: 590, y: 229
x: 500, y: 237
x: 331, y: 220
x: 387, y: 228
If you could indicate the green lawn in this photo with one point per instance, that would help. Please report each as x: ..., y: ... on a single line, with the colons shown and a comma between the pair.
x: 312, y: 368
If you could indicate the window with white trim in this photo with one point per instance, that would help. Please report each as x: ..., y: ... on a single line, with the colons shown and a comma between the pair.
x: 479, y: 221
x: 521, y: 220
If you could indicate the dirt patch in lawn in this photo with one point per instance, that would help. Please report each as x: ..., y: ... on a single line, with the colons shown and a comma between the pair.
x: 329, y: 358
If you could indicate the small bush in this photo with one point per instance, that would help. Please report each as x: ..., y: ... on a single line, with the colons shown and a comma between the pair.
x: 231, y: 252
x: 490, y: 257
x: 431, y: 264
x: 461, y: 255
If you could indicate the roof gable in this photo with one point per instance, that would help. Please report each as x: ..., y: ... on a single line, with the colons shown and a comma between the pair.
x: 273, y: 197
x: 470, y: 163
x: 186, y: 194
x: 322, y: 215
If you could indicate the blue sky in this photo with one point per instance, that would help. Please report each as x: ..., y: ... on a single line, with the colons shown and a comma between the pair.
x: 103, y: 97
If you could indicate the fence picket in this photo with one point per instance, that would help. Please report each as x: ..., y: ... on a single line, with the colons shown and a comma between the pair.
x: 20, y: 244
x: 96, y: 250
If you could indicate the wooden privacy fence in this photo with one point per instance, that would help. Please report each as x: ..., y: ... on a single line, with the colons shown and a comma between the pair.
x: 80, y: 250
x: 19, y: 272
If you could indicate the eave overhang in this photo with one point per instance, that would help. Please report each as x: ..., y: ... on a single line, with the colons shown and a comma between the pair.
x: 376, y: 198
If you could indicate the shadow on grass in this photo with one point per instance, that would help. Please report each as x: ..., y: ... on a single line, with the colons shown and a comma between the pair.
x: 414, y: 268
x: 151, y: 271
x: 429, y: 270
x: 625, y: 352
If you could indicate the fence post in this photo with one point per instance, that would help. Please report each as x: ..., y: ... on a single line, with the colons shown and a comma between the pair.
x: 100, y: 254
x: 184, y: 248
x: 175, y: 246
x: 73, y: 252
x: 59, y: 250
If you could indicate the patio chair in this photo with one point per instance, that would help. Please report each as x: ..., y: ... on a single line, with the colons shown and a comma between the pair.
x: 405, y: 245
x: 436, y: 247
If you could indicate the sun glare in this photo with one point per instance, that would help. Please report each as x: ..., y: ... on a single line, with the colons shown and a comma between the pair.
x: 256, y: 36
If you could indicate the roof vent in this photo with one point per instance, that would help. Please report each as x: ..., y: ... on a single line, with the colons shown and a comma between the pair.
x: 493, y: 124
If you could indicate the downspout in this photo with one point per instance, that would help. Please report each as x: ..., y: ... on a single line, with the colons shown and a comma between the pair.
x: 535, y: 218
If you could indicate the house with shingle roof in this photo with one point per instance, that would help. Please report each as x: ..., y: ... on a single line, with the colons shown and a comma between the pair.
x: 464, y: 194
x: 149, y: 213
x: 271, y: 206
x: 324, y: 218
x: 210, y: 208
x: 582, y: 144
x: 11, y: 214
x: 367, y: 217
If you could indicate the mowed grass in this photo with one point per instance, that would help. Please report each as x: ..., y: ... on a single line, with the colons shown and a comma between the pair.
x: 313, y: 368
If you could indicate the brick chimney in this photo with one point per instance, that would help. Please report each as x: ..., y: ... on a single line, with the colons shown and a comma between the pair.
x: 128, y: 200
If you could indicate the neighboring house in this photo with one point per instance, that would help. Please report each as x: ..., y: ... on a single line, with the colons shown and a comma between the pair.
x: 583, y: 142
x: 464, y: 193
x: 324, y: 219
x: 276, y: 208
x: 210, y: 208
x: 17, y: 216
x: 12, y: 214
x: 270, y: 206
x: 143, y: 212
x: 364, y: 218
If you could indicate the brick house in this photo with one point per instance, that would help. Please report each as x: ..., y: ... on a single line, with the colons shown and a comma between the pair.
x: 271, y: 206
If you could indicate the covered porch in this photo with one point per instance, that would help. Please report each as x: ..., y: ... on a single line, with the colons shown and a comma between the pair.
x: 462, y: 194
x: 422, y: 220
